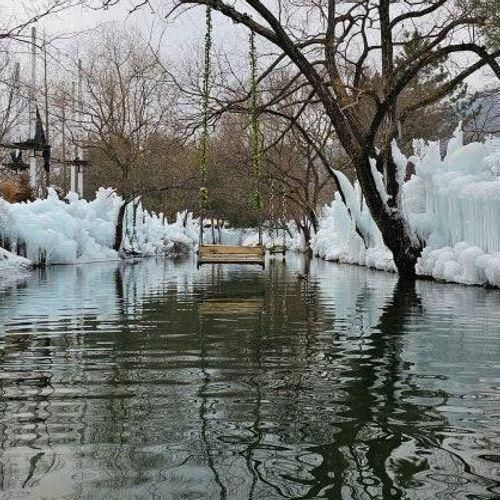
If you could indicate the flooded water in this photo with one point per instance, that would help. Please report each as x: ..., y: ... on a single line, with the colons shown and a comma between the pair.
x: 155, y: 380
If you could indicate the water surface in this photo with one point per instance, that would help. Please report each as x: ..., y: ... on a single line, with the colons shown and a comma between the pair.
x: 155, y: 380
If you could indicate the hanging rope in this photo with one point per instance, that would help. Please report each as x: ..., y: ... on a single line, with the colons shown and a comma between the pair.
x: 274, y: 229
x: 283, y: 216
x: 255, y: 136
x: 205, y: 138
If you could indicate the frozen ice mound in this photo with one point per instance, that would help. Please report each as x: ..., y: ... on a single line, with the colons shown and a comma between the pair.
x: 451, y: 203
x: 73, y: 230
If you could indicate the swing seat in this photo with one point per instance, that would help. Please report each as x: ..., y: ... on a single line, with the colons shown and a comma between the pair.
x: 277, y: 249
x: 225, y: 254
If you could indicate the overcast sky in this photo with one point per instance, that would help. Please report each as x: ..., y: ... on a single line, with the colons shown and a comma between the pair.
x: 182, y: 39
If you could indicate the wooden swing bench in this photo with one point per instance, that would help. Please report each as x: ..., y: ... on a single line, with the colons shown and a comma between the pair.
x: 226, y: 254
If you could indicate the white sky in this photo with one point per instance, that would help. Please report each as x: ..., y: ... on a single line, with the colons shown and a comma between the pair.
x: 183, y: 37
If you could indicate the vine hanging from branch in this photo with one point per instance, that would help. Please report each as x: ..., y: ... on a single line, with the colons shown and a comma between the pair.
x: 205, y: 138
x: 255, y: 134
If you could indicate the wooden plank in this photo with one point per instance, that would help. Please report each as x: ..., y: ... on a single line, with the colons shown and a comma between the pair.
x: 229, y: 250
x: 230, y: 254
x: 227, y: 260
x: 233, y: 256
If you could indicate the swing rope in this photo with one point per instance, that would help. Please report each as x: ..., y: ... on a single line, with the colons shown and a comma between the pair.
x: 274, y: 229
x: 205, y: 138
x: 255, y: 135
x: 283, y: 217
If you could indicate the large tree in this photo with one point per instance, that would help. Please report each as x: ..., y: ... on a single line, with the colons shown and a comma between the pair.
x: 333, y: 45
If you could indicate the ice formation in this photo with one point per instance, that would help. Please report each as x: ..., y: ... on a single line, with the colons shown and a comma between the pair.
x: 10, y: 262
x: 452, y: 204
x: 71, y: 231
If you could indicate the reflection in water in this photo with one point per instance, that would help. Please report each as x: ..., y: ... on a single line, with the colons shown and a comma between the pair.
x: 307, y: 380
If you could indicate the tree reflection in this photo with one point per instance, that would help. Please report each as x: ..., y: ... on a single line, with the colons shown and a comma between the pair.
x: 366, y: 439
x: 306, y: 391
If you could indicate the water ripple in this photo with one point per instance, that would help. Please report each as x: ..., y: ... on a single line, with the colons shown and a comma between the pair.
x: 156, y: 380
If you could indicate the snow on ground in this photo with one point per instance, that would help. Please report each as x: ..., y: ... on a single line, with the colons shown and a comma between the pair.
x: 453, y: 204
x: 72, y: 231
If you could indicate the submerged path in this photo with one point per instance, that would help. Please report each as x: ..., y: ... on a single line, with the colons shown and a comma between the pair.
x: 155, y: 380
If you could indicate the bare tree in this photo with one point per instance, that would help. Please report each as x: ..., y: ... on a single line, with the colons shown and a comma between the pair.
x: 128, y: 102
x: 129, y: 120
x: 333, y: 45
x: 12, y: 104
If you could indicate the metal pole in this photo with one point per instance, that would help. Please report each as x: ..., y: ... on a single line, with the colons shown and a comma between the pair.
x: 46, y: 92
x: 63, y: 145
x: 32, y: 109
x: 80, y: 126
x: 73, y: 167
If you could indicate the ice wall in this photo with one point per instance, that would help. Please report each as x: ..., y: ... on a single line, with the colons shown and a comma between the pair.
x: 338, y: 240
x: 70, y: 231
x: 452, y: 203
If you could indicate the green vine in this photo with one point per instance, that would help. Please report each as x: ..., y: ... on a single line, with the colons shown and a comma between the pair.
x: 203, y: 198
x: 255, y: 135
x: 205, y: 138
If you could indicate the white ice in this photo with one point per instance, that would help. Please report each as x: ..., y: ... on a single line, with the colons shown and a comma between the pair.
x: 452, y: 204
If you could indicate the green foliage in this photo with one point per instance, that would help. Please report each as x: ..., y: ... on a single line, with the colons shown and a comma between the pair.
x: 415, y: 44
x: 422, y: 88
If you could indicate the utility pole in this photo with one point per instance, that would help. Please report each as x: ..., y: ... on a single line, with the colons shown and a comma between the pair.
x: 73, y: 114
x: 32, y: 110
x: 63, y: 145
x: 80, y: 127
x: 46, y: 92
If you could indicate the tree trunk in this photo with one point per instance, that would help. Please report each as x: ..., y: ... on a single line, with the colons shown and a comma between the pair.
x: 405, y: 248
x: 314, y: 220
x: 213, y: 230
x: 304, y: 228
x: 396, y: 234
x: 219, y: 231
x: 119, y: 226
